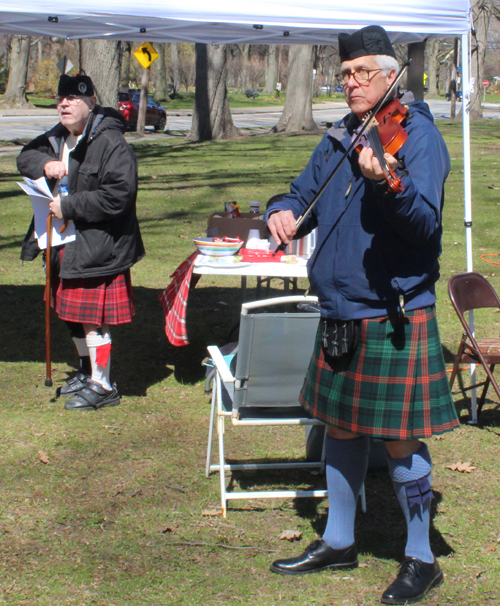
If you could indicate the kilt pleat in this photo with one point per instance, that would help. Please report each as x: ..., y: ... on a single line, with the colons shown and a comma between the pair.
x: 394, y: 386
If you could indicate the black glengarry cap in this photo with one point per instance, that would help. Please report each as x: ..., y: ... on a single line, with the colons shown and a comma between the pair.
x: 371, y: 40
x: 80, y: 86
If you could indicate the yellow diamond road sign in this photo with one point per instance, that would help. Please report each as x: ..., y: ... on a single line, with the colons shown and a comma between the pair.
x: 146, y: 54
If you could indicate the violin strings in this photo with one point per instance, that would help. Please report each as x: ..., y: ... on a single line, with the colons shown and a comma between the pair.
x: 375, y: 141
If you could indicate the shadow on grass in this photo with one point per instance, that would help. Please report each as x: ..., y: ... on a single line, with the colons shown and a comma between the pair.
x: 380, y: 532
x: 142, y: 355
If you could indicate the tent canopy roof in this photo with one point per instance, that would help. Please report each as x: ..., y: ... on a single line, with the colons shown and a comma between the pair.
x: 242, y: 22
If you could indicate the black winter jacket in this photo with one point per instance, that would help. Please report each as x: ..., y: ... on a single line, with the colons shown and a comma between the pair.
x: 102, y: 195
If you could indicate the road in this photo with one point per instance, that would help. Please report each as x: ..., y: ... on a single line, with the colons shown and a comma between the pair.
x: 27, y: 125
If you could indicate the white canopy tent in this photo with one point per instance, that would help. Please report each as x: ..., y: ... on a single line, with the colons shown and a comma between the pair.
x: 225, y: 22
x: 255, y: 22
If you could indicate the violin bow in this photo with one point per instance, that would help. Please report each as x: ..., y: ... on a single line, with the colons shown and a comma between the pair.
x: 364, y: 125
x: 48, y: 263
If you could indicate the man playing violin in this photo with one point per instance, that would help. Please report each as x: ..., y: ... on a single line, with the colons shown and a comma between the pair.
x: 377, y: 370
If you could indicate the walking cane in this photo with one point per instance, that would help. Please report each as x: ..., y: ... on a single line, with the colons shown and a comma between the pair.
x: 48, y: 254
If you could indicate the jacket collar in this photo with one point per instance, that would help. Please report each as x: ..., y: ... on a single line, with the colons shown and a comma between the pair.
x: 343, y: 130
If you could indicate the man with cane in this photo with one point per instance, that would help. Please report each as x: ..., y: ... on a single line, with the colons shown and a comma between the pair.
x: 93, y: 288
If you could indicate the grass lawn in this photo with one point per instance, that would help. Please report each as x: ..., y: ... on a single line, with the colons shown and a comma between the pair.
x: 119, y: 514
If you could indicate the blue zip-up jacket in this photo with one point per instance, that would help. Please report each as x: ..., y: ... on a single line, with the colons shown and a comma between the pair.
x: 372, y: 247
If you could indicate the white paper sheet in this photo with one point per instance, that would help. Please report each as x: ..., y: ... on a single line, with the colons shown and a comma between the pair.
x: 40, y: 194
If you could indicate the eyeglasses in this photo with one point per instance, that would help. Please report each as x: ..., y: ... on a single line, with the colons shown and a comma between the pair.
x: 362, y: 76
x: 71, y: 99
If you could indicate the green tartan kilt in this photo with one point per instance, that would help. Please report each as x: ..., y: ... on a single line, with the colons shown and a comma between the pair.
x: 393, y: 386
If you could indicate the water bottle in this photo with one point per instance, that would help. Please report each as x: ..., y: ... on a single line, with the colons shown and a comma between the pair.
x: 63, y: 186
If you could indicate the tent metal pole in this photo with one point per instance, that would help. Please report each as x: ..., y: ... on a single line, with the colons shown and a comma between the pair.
x: 466, y: 148
x: 468, y: 194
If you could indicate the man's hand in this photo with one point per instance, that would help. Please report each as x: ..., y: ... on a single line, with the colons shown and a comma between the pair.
x: 370, y: 165
x: 281, y: 224
x: 54, y: 169
x: 55, y: 207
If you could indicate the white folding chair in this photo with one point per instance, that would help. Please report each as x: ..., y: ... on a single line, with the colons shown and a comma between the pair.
x: 274, y: 350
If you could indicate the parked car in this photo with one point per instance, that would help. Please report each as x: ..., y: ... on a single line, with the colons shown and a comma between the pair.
x: 331, y: 88
x: 128, y: 106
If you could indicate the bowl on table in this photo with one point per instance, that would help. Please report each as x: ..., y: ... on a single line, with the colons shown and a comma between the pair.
x: 216, y: 247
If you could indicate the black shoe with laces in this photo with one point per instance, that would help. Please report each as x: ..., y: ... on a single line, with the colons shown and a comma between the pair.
x: 414, y: 580
x: 73, y: 385
x: 92, y: 397
x: 318, y: 556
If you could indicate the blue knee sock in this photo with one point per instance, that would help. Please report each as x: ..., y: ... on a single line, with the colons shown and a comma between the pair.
x: 411, y: 477
x: 346, y: 465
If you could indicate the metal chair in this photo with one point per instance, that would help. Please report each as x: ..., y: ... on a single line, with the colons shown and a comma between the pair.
x: 470, y: 291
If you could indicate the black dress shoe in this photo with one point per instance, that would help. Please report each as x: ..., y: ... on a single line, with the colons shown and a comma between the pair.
x: 73, y: 385
x: 318, y: 556
x: 92, y: 397
x: 414, y: 580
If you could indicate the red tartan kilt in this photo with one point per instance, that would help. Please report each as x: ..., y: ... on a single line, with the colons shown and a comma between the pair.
x: 99, y: 300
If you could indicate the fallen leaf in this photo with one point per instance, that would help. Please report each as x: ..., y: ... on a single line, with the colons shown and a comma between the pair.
x: 182, y: 237
x: 167, y: 529
x: 290, y: 535
x: 210, y: 512
x: 44, y: 457
x: 439, y: 437
x: 462, y: 467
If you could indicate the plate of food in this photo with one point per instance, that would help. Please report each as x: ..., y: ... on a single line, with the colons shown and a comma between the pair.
x: 223, y: 262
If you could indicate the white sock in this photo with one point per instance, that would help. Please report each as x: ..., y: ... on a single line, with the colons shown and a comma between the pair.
x: 100, y: 374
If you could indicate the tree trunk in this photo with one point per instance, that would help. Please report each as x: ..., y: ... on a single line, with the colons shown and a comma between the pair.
x: 174, y: 60
x: 15, y: 94
x: 481, y: 14
x: 415, y: 81
x: 271, y: 70
x: 431, y: 51
x: 101, y: 60
x: 143, y: 101
x: 297, y: 113
x: 245, y: 52
x: 161, y: 88
x: 125, y: 67
x: 211, y: 115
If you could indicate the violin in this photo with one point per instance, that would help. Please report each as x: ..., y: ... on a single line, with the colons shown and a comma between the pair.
x: 384, y: 134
